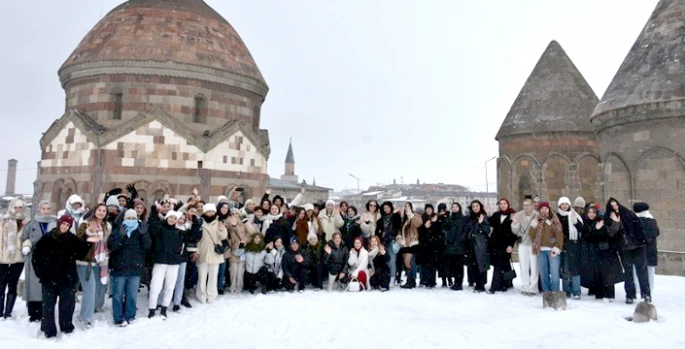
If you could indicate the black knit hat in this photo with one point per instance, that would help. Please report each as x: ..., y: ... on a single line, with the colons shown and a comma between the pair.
x: 640, y: 207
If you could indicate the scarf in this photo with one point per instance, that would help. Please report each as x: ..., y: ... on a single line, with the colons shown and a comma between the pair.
x: 130, y: 226
x: 268, y: 220
x: 209, y: 220
x: 539, y: 231
x: 386, y: 220
x: 572, y: 231
x: 183, y: 227
x: 100, y: 252
x: 644, y: 214
x: 253, y: 247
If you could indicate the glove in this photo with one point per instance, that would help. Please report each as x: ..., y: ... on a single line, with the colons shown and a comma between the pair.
x: 104, y: 280
x: 26, y: 250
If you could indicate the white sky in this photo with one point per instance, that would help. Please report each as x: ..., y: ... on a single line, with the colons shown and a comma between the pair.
x: 381, y: 89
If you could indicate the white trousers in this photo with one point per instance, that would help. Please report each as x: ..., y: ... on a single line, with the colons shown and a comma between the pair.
x: 529, y: 269
x: 207, y: 274
x: 651, y: 271
x: 237, y: 271
x: 162, y: 275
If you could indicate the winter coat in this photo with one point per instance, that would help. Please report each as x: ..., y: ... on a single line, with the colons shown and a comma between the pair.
x: 290, y: 265
x: 358, y: 262
x: 279, y: 229
x: 54, y: 258
x: 9, y: 226
x: 127, y: 254
x: 255, y: 257
x: 303, y: 228
x: 601, y: 256
x: 522, y: 228
x: 336, y: 261
x: 212, y: 234
x: 455, y: 236
x: 274, y: 261
x: 409, y: 234
x: 169, y: 246
x: 330, y: 224
x: 477, y: 235
x: 369, y: 229
x: 429, y: 242
x: 351, y: 230
x: 500, y: 238
x: 651, y: 231
x: 389, y: 233
x: 33, y: 232
x: 630, y: 226
x: 240, y: 233
x: 380, y: 263
x: 571, y: 257
x: 314, y: 255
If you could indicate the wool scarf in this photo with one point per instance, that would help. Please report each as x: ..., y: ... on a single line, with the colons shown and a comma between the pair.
x: 572, y: 231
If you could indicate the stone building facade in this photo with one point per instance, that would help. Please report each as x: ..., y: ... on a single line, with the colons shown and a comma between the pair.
x: 640, y: 122
x: 163, y: 94
x: 628, y: 145
x: 547, y: 145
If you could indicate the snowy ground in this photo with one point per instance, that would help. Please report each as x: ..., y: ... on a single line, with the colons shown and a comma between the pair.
x: 417, y: 318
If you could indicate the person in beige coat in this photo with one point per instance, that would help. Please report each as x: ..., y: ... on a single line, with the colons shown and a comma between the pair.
x: 330, y: 219
x: 408, y: 239
x: 213, y: 233
x: 239, y: 234
x: 11, y: 258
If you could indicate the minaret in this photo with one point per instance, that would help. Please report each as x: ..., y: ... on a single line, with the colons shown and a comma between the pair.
x: 289, y: 174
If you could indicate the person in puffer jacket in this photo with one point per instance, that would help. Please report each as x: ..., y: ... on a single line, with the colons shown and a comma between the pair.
x: 273, y: 261
x: 255, y: 266
x: 335, y: 259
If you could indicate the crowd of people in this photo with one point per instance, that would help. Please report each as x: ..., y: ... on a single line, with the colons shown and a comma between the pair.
x: 178, y: 250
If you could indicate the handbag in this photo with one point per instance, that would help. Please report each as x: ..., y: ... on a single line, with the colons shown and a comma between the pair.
x: 219, y: 248
x: 510, y: 274
x: 355, y: 286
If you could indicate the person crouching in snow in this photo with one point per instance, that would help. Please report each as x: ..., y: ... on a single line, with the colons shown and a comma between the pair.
x: 294, y: 269
x: 335, y: 258
x: 169, y: 243
x: 127, y: 248
x: 359, y: 263
x: 54, y: 260
x: 314, y: 261
x: 379, y: 259
x: 255, y: 267
x: 274, y: 260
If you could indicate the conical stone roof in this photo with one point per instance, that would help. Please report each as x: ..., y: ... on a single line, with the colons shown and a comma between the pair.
x: 555, y: 98
x: 290, y: 157
x: 652, y: 74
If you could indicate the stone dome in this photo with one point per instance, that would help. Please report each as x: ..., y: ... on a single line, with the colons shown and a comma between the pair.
x: 175, y: 38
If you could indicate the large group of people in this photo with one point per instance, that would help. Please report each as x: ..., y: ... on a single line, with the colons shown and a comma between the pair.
x: 180, y: 250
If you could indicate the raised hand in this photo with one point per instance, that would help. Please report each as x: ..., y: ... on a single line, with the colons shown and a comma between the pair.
x: 515, y: 218
x: 268, y: 191
x: 599, y: 225
x: 614, y: 217
x: 195, y: 191
x: 328, y: 249
x: 299, y: 259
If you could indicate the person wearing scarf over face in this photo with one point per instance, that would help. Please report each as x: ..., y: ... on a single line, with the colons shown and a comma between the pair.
x: 208, y: 261
x: 571, y: 258
x: 606, y: 269
x: 623, y: 222
x: 54, y: 260
x: 127, y: 248
x: 223, y: 212
x: 41, y: 225
x: 408, y: 239
x: 168, y: 255
x: 478, y: 230
x: 359, y: 263
x: 93, y: 269
x: 387, y: 229
x: 455, y: 243
x: 11, y: 258
x: 501, y: 245
x: 429, y: 243
x: 547, y: 234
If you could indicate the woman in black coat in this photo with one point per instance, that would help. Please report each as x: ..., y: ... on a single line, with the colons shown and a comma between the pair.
x: 571, y: 258
x: 54, y: 261
x: 606, y: 267
x: 379, y: 258
x: 335, y: 259
x: 455, y: 238
x: 501, y: 244
x: 478, y: 230
x: 429, y: 242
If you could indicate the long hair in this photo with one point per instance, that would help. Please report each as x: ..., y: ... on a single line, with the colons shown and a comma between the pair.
x: 377, y: 240
x: 481, y: 212
x: 404, y: 216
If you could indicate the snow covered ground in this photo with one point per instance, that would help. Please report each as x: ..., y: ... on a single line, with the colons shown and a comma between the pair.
x: 417, y: 318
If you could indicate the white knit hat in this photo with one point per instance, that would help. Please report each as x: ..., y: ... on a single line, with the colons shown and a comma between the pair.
x: 130, y: 213
x: 208, y: 207
x: 309, y: 207
x: 564, y: 200
x: 171, y: 213
x: 222, y: 199
x: 579, y: 202
x: 112, y: 201
x: 330, y: 202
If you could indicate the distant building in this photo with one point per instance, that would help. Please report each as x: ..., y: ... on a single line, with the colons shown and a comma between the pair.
x: 288, y: 186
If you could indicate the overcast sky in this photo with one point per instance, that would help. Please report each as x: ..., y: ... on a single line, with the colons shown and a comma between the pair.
x: 380, y: 89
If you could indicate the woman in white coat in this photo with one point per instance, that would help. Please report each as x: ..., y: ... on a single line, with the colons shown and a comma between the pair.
x: 359, y: 263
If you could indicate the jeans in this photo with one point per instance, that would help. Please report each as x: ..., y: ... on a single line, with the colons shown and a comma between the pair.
x: 221, y: 278
x: 651, y: 271
x: 124, y: 297
x: 636, y: 258
x: 571, y: 284
x: 180, y: 284
x: 93, y: 291
x: 393, y: 259
x: 67, y: 303
x: 528, y: 264
x: 549, y: 271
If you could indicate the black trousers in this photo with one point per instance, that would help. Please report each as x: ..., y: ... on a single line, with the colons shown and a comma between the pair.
x: 67, y: 302
x: 9, y: 277
x: 273, y: 283
x: 636, y: 258
x: 252, y: 279
x: 35, y: 310
x: 500, y: 265
x: 300, y: 276
x: 454, y: 267
x: 316, y: 276
x: 479, y: 278
x: 381, y: 278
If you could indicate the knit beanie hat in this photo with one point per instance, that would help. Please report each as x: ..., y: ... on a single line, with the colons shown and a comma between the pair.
x: 130, y: 213
x: 65, y: 219
x: 138, y: 202
x: 170, y: 214
x: 208, y: 207
x: 309, y: 207
x: 640, y: 207
x: 330, y: 202
x: 294, y: 240
x: 579, y: 202
x: 544, y: 204
x: 564, y: 200
x: 112, y: 201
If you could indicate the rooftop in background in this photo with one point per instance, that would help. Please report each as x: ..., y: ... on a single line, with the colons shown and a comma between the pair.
x: 281, y: 184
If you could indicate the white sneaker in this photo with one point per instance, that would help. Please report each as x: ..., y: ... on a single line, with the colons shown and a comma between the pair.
x: 123, y: 324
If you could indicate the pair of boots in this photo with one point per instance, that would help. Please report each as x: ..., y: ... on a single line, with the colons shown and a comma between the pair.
x: 411, y: 282
x: 6, y: 308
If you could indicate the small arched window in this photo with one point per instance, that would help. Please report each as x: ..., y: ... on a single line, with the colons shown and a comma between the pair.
x: 117, y: 97
x: 200, y: 110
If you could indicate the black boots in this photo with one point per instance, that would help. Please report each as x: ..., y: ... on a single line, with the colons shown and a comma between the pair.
x: 2, y: 304
x: 411, y: 282
x: 151, y: 314
x: 9, y: 306
x: 163, y: 313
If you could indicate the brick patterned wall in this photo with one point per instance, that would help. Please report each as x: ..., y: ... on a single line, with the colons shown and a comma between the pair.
x: 69, y: 148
